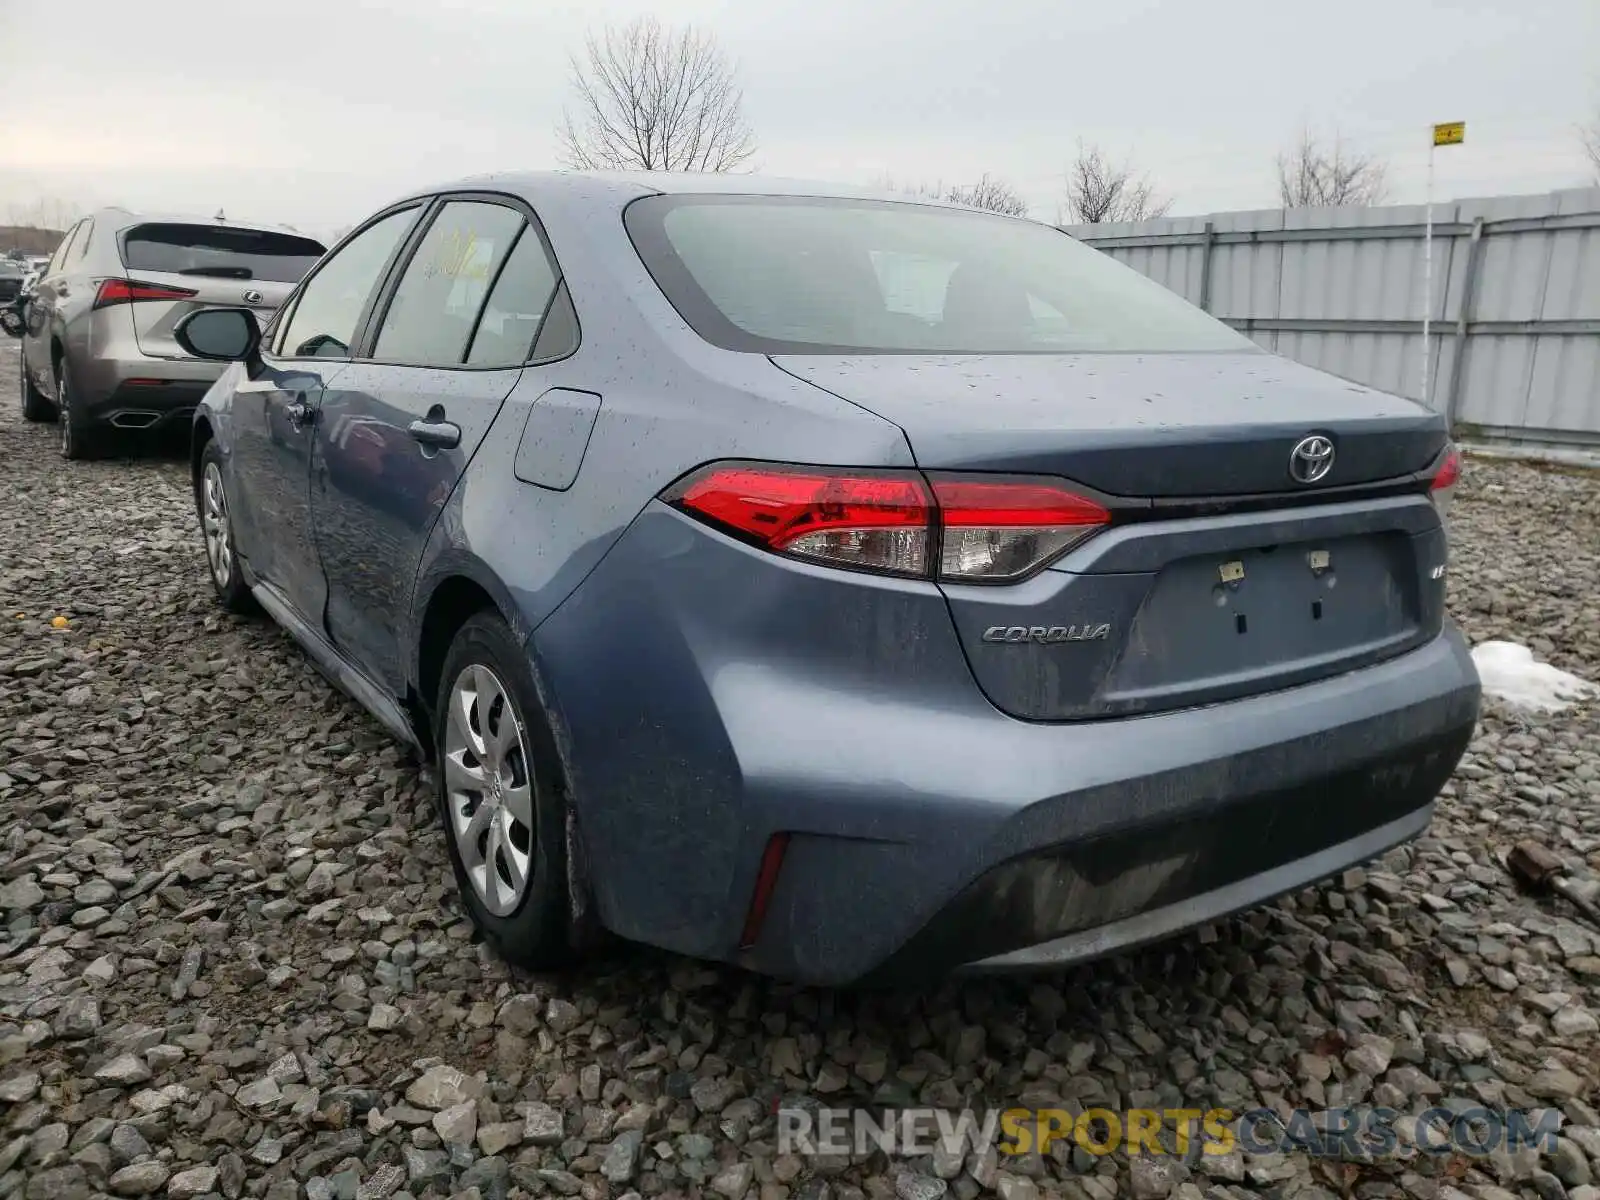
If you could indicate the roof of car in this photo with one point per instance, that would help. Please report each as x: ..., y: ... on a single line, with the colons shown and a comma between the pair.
x: 123, y: 218
x: 621, y: 186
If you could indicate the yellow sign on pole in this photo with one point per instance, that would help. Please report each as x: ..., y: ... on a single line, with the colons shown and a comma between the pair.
x: 1451, y: 133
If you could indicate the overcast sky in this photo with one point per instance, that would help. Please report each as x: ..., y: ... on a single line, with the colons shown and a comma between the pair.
x: 314, y: 112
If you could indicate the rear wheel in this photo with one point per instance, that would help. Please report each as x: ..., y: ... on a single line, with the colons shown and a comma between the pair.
x: 216, y: 524
x: 77, y: 439
x: 500, y: 797
x: 36, y: 405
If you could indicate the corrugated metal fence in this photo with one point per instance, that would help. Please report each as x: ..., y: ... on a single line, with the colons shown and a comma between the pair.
x: 1515, y: 330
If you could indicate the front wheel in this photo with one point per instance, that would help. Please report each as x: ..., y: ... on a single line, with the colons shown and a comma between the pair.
x: 500, y: 797
x: 216, y: 525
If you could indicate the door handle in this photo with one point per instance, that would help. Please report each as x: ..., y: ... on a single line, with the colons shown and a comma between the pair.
x: 299, y: 412
x: 436, y: 435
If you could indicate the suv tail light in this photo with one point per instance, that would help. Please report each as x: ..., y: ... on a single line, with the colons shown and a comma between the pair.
x: 124, y: 291
x: 964, y: 530
x: 1444, y: 481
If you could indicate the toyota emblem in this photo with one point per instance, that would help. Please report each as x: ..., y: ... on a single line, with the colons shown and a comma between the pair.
x: 1311, y: 459
x: 252, y: 297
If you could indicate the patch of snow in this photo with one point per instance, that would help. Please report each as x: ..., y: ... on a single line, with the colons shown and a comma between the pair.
x: 1510, y: 673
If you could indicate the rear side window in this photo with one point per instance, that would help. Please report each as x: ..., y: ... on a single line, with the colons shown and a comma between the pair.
x: 517, y: 305
x: 59, y: 258
x: 435, y: 307
x: 797, y: 275
x: 223, y: 252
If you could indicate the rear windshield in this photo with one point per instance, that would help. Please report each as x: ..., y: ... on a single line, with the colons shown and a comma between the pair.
x: 10, y: 269
x: 796, y: 275
x: 225, y: 253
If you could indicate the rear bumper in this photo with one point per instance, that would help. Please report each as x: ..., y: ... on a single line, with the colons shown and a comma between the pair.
x: 706, y: 706
x: 138, y: 392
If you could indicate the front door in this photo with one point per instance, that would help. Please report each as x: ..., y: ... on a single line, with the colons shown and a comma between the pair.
x: 396, y: 433
x: 278, y: 408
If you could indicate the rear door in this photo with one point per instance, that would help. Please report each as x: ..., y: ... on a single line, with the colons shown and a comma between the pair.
x: 41, y: 312
x: 275, y: 411
x: 396, y: 432
x: 208, y: 265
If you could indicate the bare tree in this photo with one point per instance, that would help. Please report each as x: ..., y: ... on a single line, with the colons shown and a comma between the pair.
x: 913, y: 191
x: 1099, y: 191
x: 989, y: 194
x: 1311, y: 175
x: 48, y: 212
x: 1589, y: 138
x: 650, y: 98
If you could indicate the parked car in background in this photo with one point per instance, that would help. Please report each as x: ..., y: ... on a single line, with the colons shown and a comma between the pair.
x: 97, y: 345
x: 846, y: 587
x: 13, y: 279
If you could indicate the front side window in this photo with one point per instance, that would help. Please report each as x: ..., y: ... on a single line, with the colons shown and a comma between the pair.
x: 329, y: 309
x: 797, y: 275
x: 435, y: 307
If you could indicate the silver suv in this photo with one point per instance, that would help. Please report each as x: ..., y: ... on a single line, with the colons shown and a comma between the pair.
x: 97, y: 347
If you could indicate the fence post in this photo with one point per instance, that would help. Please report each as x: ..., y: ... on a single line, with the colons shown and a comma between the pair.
x: 1458, y: 344
x: 1205, y: 266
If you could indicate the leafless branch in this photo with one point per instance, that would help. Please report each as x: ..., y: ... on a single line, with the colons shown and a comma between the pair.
x: 989, y: 194
x: 1589, y: 139
x: 1311, y: 175
x: 914, y: 191
x: 48, y: 212
x: 652, y: 98
x: 1099, y: 191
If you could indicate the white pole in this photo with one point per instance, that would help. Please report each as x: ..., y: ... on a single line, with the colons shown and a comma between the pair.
x: 1427, y: 275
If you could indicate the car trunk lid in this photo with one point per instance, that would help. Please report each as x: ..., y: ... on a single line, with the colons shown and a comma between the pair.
x: 179, y: 268
x: 1223, y: 573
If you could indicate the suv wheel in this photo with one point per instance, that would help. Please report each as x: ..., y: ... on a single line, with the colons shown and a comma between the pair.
x: 36, y: 405
x: 216, y: 524
x: 76, y: 440
x: 500, y: 797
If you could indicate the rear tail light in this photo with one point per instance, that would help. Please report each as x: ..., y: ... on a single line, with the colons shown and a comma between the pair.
x: 125, y: 291
x: 894, y: 522
x: 1443, y: 486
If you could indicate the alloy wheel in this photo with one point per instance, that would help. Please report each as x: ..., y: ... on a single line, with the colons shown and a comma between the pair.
x: 214, y: 523
x: 63, y: 414
x: 489, y: 789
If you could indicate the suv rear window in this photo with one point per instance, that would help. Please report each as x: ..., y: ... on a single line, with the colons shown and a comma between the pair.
x: 817, y: 275
x: 226, y: 253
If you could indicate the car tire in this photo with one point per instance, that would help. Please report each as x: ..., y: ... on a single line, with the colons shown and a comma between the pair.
x: 216, y: 528
x: 77, y: 439
x: 482, y: 765
x: 36, y: 406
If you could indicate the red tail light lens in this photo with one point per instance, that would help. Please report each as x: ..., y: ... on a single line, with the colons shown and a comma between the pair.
x: 867, y: 521
x: 893, y: 523
x: 995, y: 531
x: 1443, y: 486
x: 124, y: 291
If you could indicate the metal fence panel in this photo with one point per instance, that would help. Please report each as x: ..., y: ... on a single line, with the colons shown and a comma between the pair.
x: 1515, y: 322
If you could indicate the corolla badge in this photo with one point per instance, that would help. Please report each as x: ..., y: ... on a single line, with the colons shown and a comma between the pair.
x: 1311, y: 459
x: 253, y: 297
x: 1046, y: 635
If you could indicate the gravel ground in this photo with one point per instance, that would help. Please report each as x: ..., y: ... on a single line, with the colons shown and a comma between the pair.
x: 233, y: 964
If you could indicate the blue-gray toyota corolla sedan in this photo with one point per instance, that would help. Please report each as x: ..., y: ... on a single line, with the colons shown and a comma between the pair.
x: 847, y: 587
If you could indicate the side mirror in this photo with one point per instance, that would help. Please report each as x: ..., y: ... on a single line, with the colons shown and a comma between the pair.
x: 220, y: 334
